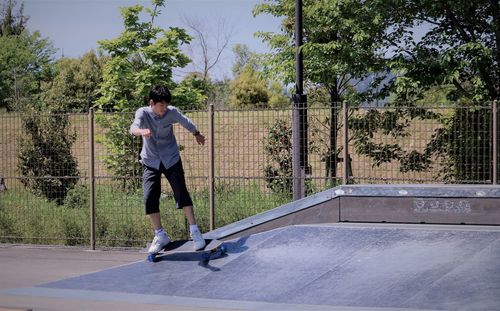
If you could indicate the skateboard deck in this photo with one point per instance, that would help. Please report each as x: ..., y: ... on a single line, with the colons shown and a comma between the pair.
x: 187, y: 247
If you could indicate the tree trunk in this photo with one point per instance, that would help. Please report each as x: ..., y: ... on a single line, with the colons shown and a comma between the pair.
x: 331, y: 157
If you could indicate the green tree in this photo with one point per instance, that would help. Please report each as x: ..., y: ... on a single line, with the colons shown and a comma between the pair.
x: 75, y: 86
x: 456, y: 45
x: 249, y: 89
x: 25, y: 62
x: 342, y: 47
x: 244, y: 57
x: 458, y: 52
x: 11, y: 23
x: 143, y: 55
x: 277, y: 97
x: 192, y: 92
x: 25, y: 59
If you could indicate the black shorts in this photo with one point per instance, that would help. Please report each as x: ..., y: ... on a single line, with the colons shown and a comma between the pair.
x: 152, y: 186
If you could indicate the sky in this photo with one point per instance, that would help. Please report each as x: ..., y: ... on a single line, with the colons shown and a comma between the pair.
x: 75, y: 26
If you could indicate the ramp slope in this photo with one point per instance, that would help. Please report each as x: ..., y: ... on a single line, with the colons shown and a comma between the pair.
x: 372, y: 266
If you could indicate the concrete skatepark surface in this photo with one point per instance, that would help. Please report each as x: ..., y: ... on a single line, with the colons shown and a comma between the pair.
x: 303, y: 267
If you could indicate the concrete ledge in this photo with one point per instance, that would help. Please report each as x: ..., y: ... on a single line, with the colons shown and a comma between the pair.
x: 438, y: 204
x: 421, y: 210
x: 433, y: 204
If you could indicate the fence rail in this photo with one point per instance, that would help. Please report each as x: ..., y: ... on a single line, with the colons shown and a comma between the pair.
x: 244, y: 169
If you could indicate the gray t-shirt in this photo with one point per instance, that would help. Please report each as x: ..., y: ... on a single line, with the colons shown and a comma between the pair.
x: 162, y: 145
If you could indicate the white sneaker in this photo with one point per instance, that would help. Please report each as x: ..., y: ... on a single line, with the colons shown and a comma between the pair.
x: 158, y: 243
x: 199, y: 241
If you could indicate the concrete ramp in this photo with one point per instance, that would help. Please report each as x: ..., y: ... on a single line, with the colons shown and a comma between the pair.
x: 339, y: 266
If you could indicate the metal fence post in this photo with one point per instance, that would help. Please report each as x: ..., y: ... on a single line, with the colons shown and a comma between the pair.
x: 345, y: 143
x: 91, y: 179
x: 211, y: 169
x: 298, y: 173
x: 495, y: 141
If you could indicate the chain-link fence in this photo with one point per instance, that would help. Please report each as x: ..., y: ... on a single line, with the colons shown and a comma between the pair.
x: 75, y: 179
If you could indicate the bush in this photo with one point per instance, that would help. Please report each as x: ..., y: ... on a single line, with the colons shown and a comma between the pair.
x: 278, y: 148
x: 75, y: 232
x: 7, y: 227
x: 77, y: 197
x: 45, y: 158
x: 279, y: 170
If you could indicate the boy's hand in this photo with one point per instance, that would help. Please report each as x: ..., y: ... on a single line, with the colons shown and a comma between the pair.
x: 200, y: 139
x: 146, y: 133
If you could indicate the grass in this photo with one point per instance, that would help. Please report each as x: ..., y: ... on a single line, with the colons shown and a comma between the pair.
x: 120, y: 219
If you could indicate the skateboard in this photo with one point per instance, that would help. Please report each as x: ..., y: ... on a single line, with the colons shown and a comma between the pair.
x: 212, y: 248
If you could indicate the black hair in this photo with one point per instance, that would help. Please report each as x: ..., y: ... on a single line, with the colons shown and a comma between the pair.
x: 160, y: 93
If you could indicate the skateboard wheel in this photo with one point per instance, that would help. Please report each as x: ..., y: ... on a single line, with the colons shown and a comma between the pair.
x: 151, y: 257
x: 223, y: 249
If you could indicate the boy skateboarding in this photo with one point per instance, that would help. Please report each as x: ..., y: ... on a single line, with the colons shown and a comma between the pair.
x: 160, y: 155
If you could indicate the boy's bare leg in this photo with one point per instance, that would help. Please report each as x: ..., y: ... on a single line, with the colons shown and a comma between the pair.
x: 188, y: 211
x: 155, y: 220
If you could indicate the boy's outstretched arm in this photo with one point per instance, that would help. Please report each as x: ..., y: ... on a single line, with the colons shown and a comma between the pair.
x: 140, y: 132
